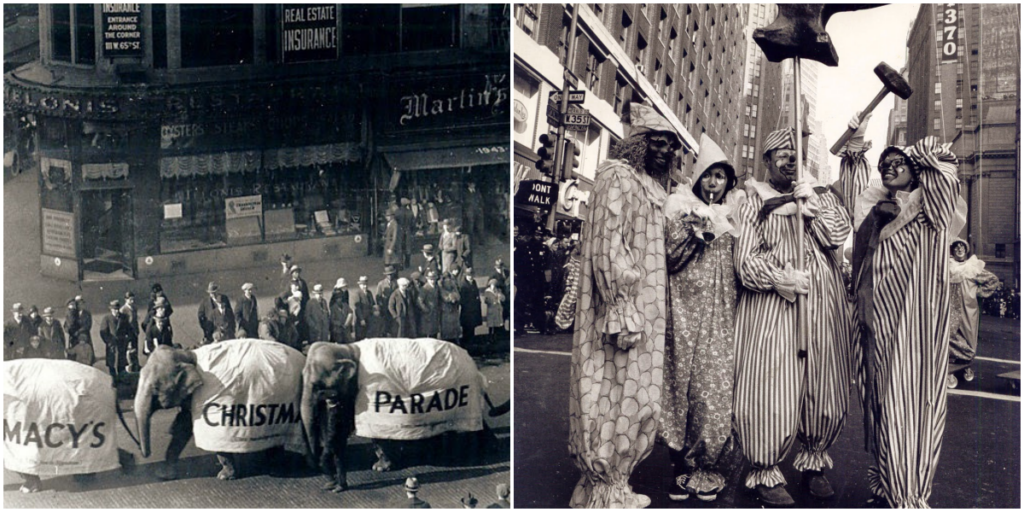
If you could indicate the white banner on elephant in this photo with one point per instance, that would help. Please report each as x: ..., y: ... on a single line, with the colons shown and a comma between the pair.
x: 59, y: 418
x: 240, y: 408
x: 417, y: 388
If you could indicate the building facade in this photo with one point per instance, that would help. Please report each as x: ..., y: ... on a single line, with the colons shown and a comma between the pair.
x: 686, y: 60
x: 762, y: 94
x: 965, y: 71
x: 182, y: 138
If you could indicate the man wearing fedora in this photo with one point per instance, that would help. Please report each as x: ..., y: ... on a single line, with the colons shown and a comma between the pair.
x: 362, y: 306
x: 52, y: 334
x: 385, y: 288
x: 401, y: 307
x: 248, y: 313
x: 157, y: 299
x: 341, y: 314
x: 318, y: 316
x: 470, y: 312
x: 16, y: 332
x: 215, y: 314
x: 407, y: 231
x: 392, y: 241
x: 429, y: 303
x: 430, y: 263
x: 412, y: 486
x: 158, y: 333
x: 116, y: 333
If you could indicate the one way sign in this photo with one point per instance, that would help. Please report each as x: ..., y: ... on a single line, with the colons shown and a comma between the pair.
x: 575, y: 97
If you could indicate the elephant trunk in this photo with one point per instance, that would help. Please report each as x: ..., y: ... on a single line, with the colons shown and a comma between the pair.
x: 143, y: 411
x: 306, y: 413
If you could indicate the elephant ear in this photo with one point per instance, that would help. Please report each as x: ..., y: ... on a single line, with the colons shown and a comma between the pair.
x: 348, y: 375
x: 182, y: 381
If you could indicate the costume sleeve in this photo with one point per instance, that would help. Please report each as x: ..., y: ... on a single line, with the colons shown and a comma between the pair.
x: 831, y: 226
x: 987, y: 282
x: 616, y: 276
x: 854, y: 172
x: 681, y: 242
x: 757, y: 269
x: 939, y: 184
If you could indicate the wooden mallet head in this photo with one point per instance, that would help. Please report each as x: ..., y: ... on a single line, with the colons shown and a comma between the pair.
x: 893, y: 81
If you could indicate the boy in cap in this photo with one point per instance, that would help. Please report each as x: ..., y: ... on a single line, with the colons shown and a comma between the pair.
x: 362, y: 306
x: 73, y: 325
x: 33, y: 317
x: 342, y: 316
x: 35, y: 349
x: 115, y: 331
x: 429, y: 261
x: 131, y: 312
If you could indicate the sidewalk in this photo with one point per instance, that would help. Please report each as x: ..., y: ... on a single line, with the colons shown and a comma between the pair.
x: 23, y: 283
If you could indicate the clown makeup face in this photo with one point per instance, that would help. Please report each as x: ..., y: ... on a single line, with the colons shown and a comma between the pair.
x: 959, y: 253
x: 713, y: 183
x: 781, y: 164
x: 896, y: 173
x: 661, y: 148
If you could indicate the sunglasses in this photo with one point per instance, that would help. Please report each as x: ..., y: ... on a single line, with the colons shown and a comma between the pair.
x: 893, y: 164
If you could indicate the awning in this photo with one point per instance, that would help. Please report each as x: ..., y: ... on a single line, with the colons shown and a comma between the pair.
x: 468, y: 156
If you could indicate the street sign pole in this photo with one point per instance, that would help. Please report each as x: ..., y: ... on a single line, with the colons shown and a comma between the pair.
x: 563, y: 108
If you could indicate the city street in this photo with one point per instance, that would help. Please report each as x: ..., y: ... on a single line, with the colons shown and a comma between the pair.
x: 442, y: 483
x: 979, y: 465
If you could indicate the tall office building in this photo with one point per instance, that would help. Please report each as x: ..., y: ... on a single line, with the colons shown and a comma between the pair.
x: 965, y: 71
x: 762, y: 87
x: 686, y: 60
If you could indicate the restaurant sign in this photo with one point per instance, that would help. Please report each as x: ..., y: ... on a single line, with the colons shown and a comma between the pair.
x: 447, y: 102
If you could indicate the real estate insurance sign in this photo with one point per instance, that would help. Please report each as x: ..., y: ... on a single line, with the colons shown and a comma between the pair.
x: 309, y: 32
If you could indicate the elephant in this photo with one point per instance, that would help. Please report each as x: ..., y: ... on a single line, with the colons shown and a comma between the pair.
x: 236, y: 396
x: 387, y: 389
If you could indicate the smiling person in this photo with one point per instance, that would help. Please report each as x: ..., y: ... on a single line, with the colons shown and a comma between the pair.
x: 619, y: 344
x: 699, y: 346
x: 902, y: 284
x: 779, y: 396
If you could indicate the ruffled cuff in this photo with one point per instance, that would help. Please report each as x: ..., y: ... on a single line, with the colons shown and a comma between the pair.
x: 768, y: 477
x: 785, y: 285
x: 705, y: 482
x: 854, y: 148
x: 622, y: 317
x: 812, y: 461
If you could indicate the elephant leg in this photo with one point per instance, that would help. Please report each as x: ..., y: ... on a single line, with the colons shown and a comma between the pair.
x: 339, y: 445
x: 32, y: 483
x: 277, y: 460
x: 227, y: 462
x: 181, y: 433
x: 383, y: 462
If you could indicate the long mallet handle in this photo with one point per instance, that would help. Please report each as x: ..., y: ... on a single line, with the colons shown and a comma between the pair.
x: 801, y: 300
x: 864, y: 113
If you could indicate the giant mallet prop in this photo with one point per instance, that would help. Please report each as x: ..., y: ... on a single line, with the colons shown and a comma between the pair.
x: 892, y: 82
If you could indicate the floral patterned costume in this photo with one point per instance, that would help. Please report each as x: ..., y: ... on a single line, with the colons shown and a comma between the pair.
x: 615, y: 392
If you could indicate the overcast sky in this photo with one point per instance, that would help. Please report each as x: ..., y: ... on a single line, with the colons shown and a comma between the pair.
x: 862, y: 39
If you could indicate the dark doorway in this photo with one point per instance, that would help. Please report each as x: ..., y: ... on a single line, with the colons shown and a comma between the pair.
x: 107, y: 235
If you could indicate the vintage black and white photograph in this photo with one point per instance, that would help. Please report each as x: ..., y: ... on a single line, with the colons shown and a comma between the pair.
x: 257, y: 256
x: 766, y: 255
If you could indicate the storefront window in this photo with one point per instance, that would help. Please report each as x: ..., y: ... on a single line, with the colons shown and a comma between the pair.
x: 216, y: 35
x: 202, y: 212
x: 432, y: 27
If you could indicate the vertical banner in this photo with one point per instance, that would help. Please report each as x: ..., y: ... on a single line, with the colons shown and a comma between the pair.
x: 309, y: 32
x: 122, y: 32
x: 950, y: 32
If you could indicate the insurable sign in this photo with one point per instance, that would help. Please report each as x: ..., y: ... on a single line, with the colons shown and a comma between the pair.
x: 122, y: 35
x: 309, y: 32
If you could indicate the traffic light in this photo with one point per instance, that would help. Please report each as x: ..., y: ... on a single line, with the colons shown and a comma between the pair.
x: 572, y: 159
x: 546, y: 164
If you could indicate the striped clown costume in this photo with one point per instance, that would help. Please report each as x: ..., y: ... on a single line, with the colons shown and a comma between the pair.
x: 902, y: 284
x: 779, y: 396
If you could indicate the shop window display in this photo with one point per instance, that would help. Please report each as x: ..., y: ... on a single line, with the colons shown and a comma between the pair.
x: 203, y: 212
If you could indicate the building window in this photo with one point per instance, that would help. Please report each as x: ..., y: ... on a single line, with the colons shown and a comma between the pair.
x: 526, y: 16
x: 622, y: 94
x: 937, y: 123
x: 753, y: 111
x: 641, y: 49
x: 747, y: 110
x: 938, y: 87
x: 216, y: 35
x: 671, y: 43
x: 430, y: 27
x: 159, y: 13
x: 746, y: 130
x: 76, y: 25
x: 626, y: 23
x: 753, y: 131
x: 1000, y: 250
x: 959, y: 103
x: 373, y: 29
x: 938, y: 106
x: 757, y: 90
x: 959, y: 68
x: 959, y: 123
x: 594, y: 61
